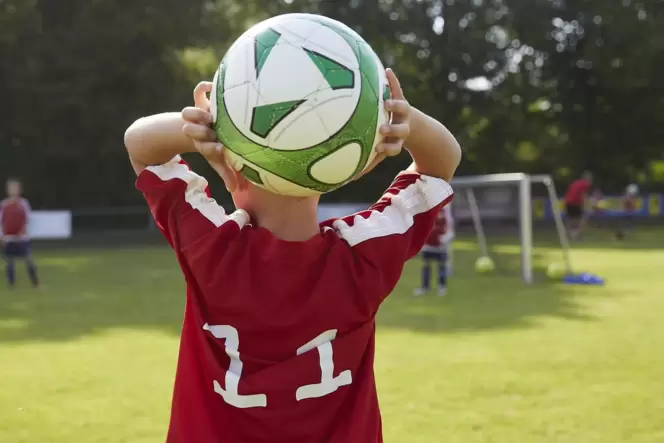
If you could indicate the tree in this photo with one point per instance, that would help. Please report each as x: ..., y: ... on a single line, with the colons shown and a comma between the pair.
x: 551, y: 86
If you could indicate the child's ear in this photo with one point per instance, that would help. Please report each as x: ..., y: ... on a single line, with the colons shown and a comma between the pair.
x: 231, y: 180
x: 241, y: 181
x: 229, y: 176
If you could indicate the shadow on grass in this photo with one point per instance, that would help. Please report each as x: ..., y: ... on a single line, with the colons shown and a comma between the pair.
x: 94, y: 291
x: 484, y: 302
x: 88, y: 292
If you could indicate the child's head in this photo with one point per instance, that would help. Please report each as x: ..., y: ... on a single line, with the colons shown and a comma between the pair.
x: 250, y: 197
x: 588, y: 176
x: 632, y: 190
x: 14, y: 188
x: 246, y: 195
x: 293, y: 218
x: 255, y: 199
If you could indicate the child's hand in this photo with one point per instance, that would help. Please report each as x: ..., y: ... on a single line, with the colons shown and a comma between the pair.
x: 396, y: 132
x: 197, y: 127
x: 198, y: 121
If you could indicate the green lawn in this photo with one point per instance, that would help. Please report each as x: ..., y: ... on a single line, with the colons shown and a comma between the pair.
x: 91, y: 357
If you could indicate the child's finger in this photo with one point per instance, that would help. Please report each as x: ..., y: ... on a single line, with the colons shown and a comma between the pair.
x: 398, y: 107
x: 210, y: 150
x: 199, y: 132
x: 398, y: 130
x: 395, y: 85
x: 196, y: 115
x: 200, y: 95
x: 390, y: 148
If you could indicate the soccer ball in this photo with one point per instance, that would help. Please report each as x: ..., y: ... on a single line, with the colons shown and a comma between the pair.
x: 297, y: 101
x: 602, y: 204
x: 632, y: 189
x: 484, y: 265
x: 555, y: 270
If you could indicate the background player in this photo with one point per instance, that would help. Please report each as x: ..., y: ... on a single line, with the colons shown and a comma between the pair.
x: 576, y: 199
x: 279, y: 331
x: 438, y: 249
x: 629, y: 207
x: 14, y: 217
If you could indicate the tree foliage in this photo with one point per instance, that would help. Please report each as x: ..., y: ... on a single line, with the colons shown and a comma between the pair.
x: 546, y: 86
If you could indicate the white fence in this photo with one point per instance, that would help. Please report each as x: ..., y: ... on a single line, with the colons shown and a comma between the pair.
x: 50, y: 224
x: 327, y: 211
x: 64, y: 224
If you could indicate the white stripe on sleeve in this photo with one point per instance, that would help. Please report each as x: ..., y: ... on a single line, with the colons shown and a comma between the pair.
x: 397, y: 217
x: 195, y: 194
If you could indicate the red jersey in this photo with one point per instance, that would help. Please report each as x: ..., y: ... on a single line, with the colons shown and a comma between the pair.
x: 278, y: 337
x: 629, y: 203
x: 14, y: 215
x: 443, y: 230
x: 577, y: 192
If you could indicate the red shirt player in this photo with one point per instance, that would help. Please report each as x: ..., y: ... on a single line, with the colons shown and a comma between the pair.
x: 629, y: 199
x: 14, y: 217
x: 14, y: 213
x: 575, y: 202
x: 437, y: 249
x: 278, y: 337
x: 629, y: 206
x: 443, y: 231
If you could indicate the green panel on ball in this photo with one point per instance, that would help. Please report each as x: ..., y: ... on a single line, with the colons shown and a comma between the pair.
x: 336, y: 75
x: 294, y: 165
x: 263, y: 45
x: 251, y: 174
x: 264, y: 118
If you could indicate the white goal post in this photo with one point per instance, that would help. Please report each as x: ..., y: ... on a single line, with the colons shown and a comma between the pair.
x: 465, y: 186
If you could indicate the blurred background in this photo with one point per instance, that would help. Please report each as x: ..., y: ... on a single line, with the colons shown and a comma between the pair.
x: 535, y: 86
x: 545, y: 86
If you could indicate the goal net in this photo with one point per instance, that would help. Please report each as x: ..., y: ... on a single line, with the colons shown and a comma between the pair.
x: 507, y: 199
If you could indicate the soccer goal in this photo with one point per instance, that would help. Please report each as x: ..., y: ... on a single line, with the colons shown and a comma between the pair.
x: 508, y: 198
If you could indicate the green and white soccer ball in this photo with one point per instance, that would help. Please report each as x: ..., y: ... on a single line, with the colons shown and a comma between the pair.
x: 484, y: 265
x: 556, y: 270
x: 298, y: 101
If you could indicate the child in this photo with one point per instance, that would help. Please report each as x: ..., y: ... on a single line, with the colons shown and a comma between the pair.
x: 14, y: 217
x: 576, y: 205
x: 629, y: 208
x: 278, y: 336
x: 437, y: 249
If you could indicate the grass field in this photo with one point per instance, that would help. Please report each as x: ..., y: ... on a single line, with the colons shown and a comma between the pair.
x: 91, y: 357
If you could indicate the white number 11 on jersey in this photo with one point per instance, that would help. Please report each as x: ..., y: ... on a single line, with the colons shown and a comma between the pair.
x: 323, y: 343
x: 329, y: 383
x: 234, y: 371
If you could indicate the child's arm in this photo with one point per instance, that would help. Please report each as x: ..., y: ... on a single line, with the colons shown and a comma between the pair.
x: 434, y: 149
x: 178, y: 197
x: 393, y: 230
x: 155, y: 140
